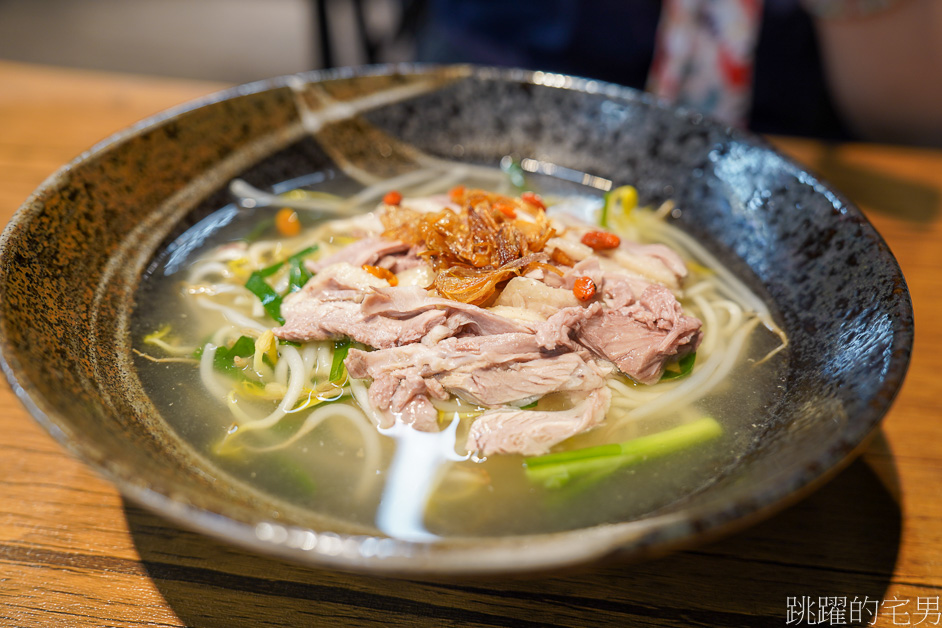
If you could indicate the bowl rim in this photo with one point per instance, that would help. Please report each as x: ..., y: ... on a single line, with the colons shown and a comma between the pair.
x: 650, y: 535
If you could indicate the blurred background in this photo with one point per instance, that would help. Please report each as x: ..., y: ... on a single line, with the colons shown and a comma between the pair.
x: 787, y: 67
x: 225, y: 40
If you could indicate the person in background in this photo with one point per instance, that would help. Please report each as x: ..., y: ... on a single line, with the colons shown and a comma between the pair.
x: 832, y: 69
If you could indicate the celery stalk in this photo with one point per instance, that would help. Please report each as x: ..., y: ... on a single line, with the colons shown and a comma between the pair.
x: 555, y: 470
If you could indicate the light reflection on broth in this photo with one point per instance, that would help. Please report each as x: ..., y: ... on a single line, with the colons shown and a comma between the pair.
x: 338, y: 463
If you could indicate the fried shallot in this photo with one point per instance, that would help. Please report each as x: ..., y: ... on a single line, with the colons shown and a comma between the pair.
x: 474, y: 250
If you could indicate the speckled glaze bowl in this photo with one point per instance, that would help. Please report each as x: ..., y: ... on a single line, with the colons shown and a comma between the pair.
x: 72, y: 257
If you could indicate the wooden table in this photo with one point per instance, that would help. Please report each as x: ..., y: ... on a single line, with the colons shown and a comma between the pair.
x: 73, y: 552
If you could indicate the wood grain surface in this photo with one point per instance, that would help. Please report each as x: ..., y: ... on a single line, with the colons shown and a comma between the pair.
x: 74, y: 553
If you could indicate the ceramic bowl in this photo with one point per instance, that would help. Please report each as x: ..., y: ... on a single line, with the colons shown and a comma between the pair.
x: 73, y: 255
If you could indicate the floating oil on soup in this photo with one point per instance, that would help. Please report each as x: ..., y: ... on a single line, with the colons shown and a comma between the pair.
x: 451, y: 356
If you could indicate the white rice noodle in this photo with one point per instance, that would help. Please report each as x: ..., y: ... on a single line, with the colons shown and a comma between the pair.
x: 711, y: 327
x: 360, y: 393
x: 698, y: 288
x: 282, y: 367
x: 208, y: 373
x: 222, y: 335
x: 309, y: 356
x: 702, y: 380
x: 484, y: 173
x: 231, y: 315
x: 214, y: 289
x: 257, y: 198
x: 206, y: 270
x: 734, y: 315
x: 626, y: 396
x: 726, y: 281
x: 295, y: 385
x: 263, y: 252
x: 325, y: 359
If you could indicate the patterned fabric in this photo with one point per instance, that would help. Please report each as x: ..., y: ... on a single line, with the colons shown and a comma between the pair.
x: 703, y: 57
x: 614, y: 40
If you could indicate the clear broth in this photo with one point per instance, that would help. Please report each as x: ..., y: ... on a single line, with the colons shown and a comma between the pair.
x: 469, y: 498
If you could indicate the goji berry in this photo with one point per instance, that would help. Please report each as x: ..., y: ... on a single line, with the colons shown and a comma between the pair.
x: 584, y: 288
x: 533, y: 199
x: 601, y: 240
x: 287, y: 222
x: 456, y: 194
x: 506, y: 208
x: 392, y: 198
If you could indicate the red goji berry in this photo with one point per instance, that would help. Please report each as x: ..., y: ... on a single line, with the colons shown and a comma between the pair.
x: 584, y: 288
x: 506, y: 208
x: 287, y: 222
x: 601, y: 240
x: 392, y: 198
x: 533, y: 199
x: 456, y: 194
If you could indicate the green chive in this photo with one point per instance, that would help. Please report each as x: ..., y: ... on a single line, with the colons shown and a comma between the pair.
x: 224, y: 359
x: 270, y: 299
x: 341, y: 348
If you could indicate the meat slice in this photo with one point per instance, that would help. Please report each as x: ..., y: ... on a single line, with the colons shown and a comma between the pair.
x: 640, y: 337
x: 532, y: 294
x: 419, y: 413
x: 405, y: 302
x: 560, y: 329
x: 493, y: 386
x: 534, y: 432
x: 638, y: 325
x: 467, y: 353
x: 344, y: 300
x: 324, y: 319
x: 668, y: 258
x: 487, y: 370
x: 339, y: 276
x: 365, y: 251
x: 330, y: 306
x: 656, y: 262
x: 398, y: 262
x: 616, y: 288
x: 429, y: 347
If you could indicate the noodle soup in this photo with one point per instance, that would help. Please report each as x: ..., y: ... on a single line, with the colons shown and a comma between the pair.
x: 240, y: 345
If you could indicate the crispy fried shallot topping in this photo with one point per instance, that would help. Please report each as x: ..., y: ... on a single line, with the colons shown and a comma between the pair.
x: 479, y: 247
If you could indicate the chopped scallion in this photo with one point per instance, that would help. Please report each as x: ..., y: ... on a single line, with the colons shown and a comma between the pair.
x: 270, y: 299
x: 224, y: 359
x: 341, y: 348
x: 298, y: 275
x: 681, y: 368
